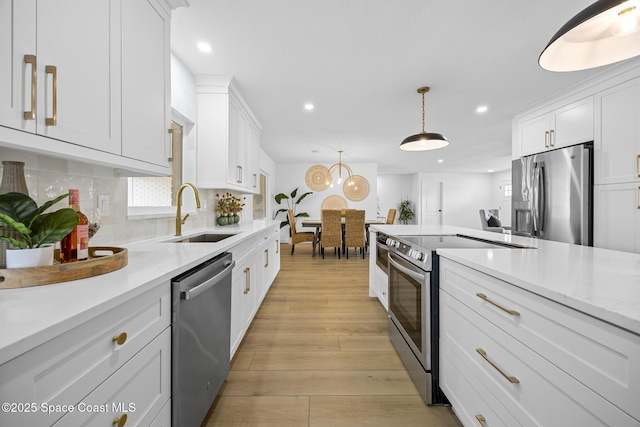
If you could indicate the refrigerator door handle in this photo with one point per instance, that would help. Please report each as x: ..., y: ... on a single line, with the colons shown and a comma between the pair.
x: 535, y: 199
x: 542, y: 197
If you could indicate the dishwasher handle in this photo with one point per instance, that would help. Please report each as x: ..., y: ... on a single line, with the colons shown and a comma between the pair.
x: 195, y: 291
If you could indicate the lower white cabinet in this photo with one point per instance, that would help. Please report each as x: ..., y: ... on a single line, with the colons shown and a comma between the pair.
x: 616, y: 217
x: 89, y: 364
x: 544, y: 363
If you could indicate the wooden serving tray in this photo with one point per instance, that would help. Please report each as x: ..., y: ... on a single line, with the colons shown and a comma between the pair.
x: 96, y: 265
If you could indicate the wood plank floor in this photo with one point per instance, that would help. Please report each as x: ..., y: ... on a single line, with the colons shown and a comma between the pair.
x: 318, y: 354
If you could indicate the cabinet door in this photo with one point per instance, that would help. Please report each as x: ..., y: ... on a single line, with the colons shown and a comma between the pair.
x: 83, y: 93
x: 617, y: 217
x: 145, y: 82
x: 253, y: 158
x: 534, y: 135
x: 236, y: 132
x: 572, y: 124
x: 17, y: 39
x: 251, y: 293
x: 617, y: 138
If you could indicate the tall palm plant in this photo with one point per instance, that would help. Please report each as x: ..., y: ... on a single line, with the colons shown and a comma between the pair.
x: 292, y: 203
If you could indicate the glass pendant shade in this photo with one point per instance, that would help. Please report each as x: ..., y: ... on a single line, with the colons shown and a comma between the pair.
x: 608, y: 31
x: 424, y: 140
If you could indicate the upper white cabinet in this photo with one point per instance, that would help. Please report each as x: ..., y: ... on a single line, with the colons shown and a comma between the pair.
x: 564, y: 126
x: 228, y: 137
x: 617, y: 140
x: 87, y: 80
x: 146, y: 82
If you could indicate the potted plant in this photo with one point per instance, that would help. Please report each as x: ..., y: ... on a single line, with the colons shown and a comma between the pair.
x: 406, y: 214
x: 31, y: 231
x: 228, y: 207
x: 292, y: 202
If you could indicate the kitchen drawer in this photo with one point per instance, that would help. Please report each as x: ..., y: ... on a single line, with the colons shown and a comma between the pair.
x: 242, y: 250
x: 535, y: 391
x: 139, y: 390
x: 603, y: 357
x: 64, y: 370
x: 470, y: 399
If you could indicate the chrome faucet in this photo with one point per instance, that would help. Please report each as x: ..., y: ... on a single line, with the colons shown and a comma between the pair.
x: 179, y: 219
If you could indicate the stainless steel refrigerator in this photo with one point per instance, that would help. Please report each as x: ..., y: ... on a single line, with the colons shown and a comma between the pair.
x: 552, y: 195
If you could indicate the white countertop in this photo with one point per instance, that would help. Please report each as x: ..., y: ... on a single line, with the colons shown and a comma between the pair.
x: 31, y: 316
x: 599, y: 282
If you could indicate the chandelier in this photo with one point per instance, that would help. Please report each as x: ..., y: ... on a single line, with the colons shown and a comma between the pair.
x: 339, y: 167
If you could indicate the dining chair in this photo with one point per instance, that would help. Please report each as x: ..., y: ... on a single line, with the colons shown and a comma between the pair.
x: 391, y: 216
x: 331, y: 232
x: 354, y: 231
x: 299, y: 237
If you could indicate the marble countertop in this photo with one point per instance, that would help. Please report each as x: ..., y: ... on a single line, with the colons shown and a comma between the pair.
x: 599, y: 282
x: 31, y: 316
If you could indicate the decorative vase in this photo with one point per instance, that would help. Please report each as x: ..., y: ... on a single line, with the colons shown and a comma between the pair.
x: 223, y: 220
x: 35, y: 257
x: 12, y: 181
x: 236, y: 219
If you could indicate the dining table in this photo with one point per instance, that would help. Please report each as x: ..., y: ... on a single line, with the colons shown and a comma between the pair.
x: 317, y: 225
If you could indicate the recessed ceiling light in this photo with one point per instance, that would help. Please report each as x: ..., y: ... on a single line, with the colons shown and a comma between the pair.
x: 490, y: 171
x: 440, y: 160
x: 308, y: 107
x: 204, y: 47
x: 482, y: 109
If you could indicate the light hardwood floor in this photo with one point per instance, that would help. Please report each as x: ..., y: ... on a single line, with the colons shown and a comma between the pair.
x: 318, y: 354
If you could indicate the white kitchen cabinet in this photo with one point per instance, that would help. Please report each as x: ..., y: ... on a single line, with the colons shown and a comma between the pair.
x: 545, y: 363
x: 378, y: 279
x: 146, y: 82
x: 72, y: 73
x: 17, y: 39
x: 244, y: 299
x: 66, y: 369
x: 564, y: 126
x: 617, y: 140
x: 616, y: 217
x: 227, y: 136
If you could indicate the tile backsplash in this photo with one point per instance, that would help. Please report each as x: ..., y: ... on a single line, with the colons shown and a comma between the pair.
x: 48, y: 177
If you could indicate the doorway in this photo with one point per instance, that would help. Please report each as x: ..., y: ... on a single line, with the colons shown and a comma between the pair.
x: 505, y: 188
x: 431, y: 203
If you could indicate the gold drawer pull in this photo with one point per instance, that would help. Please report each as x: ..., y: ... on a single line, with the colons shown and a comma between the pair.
x: 247, y: 277
x: 120, y: 339
x: 482, y: 420
x: 31, y: 114
x: 120, y: 422
x: 512, y: 380
x: 484, y: 297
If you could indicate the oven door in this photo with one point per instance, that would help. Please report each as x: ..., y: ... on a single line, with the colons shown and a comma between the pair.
x: 409, y: 302
x: 381, y: 256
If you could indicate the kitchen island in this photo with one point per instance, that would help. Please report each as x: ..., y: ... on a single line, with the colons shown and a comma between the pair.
x: 527, y: 331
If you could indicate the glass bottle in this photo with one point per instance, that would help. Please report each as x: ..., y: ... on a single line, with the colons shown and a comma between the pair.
x: 75, y: 245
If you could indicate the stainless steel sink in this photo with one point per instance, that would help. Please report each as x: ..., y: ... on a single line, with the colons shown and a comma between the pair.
x: 203, y: 238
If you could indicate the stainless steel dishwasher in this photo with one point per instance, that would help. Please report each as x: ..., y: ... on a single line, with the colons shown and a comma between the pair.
x: 201, y: 335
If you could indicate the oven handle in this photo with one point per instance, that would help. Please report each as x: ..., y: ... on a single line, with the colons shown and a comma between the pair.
x: 412, y: 273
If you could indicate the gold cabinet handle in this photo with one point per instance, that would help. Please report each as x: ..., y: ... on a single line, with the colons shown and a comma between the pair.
x: 482, y: 420
x: 120, y: 339
x: 512, y: 380
x: 170, y: 158
x: 277, y: 246
x: 51, y: 69
x: 551, y: 133
x: 638, y: 165
x: 247, y: 277
x: 266, y: 254
x: 506, y: 310
x: 255, y: 180
x: 546, y: 139
x: 638, y: 198
x: 121, y: 421
x: 31, y: 114
x: 239, y: 172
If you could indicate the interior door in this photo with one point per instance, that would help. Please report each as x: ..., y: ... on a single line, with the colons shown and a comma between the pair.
x: 506, y: 190
x: 431, y: 203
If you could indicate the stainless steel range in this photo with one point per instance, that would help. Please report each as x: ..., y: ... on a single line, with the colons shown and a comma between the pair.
x: 414, y: 304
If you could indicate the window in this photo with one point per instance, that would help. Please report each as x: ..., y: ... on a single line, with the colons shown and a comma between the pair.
x: 260, y: 200
x: 156, y: 192
x: 508, y: 190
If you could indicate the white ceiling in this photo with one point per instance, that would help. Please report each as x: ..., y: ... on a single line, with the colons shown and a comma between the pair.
x: 360, y: 63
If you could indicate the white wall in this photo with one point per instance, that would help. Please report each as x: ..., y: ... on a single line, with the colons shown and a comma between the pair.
x: 394, y: 188
x: 292, y: 175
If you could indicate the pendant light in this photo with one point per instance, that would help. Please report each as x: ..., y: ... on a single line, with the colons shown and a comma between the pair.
x: 424, y: 140
x: 608, y: 31
x: 339, y: 167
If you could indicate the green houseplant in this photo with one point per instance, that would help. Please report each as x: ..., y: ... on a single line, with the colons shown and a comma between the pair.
x: 406, y: 214
x: 292, y: 202
x: 33, y: 228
